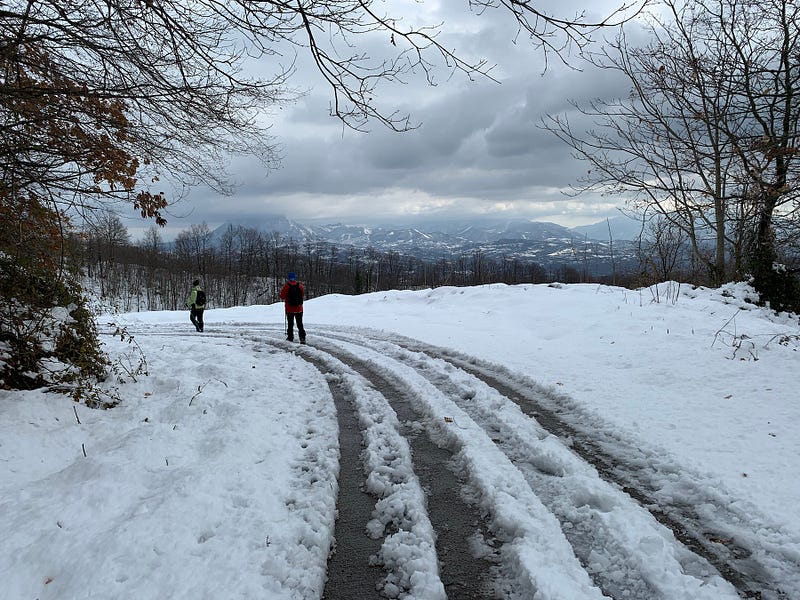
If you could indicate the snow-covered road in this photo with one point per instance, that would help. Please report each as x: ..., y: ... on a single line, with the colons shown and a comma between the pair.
x: 368, y: 464
x: 552, y: 515
x: 569, y: 510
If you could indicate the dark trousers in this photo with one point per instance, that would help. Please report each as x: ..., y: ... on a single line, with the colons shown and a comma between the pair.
x: 196, y: 317
x: 291, y: 318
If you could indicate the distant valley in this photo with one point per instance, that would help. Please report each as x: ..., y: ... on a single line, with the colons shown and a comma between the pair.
x: 598, y: 249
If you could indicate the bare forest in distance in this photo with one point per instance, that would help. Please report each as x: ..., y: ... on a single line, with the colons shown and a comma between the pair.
x: 248, y: 267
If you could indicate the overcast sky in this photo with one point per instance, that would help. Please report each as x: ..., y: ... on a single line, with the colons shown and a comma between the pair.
x: 479, y: 149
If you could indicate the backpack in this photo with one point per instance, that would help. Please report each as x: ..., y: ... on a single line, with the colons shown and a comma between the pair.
x: 295, y: 295
x: 200, y: 299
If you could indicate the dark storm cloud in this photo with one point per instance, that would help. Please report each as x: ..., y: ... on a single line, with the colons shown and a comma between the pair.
x: 480, y: 146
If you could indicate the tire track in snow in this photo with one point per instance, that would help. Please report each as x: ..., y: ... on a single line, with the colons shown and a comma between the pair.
x: 460, y: 533
x: 615, y: 572
x: 705, y: 524
x: 755, y: 571
x: 535, y: 560
x: 589, y: 514
x: 351, y: 573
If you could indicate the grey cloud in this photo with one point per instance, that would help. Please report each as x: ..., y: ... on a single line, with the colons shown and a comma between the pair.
x: 480, y: 143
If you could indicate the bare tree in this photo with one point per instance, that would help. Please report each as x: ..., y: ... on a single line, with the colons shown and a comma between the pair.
x: 661, y: 145
x: 152, y: 241
x: 766, y: 44
x: 707, y: 136
x: 108, y: 231
x: 193, y: 248
x: 105, y: 236
x: 661, y: 250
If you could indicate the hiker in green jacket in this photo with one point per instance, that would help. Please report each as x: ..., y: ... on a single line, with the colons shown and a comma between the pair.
x: 196, y: 302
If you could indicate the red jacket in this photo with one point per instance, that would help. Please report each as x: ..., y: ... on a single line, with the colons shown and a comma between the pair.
x: 284, y: 295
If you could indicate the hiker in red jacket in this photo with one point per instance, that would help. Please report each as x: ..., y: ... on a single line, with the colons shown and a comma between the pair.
x: 292, y: 295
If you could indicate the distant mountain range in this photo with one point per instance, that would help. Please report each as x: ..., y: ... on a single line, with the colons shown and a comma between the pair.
x: 476, y: 230
x: 545, y: 243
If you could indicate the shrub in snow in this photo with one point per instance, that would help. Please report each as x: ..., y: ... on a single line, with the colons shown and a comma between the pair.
x: 48, y: 337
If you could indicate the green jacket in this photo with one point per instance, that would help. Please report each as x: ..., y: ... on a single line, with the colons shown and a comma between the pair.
x: 190, y: 301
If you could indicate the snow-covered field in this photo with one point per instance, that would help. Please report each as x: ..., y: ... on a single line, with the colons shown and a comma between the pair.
x: 216, y: 477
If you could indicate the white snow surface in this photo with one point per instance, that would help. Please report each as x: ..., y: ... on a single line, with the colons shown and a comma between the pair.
x: 216, y: 476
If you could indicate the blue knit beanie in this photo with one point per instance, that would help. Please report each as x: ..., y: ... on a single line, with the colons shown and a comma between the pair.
x: 291, y: 276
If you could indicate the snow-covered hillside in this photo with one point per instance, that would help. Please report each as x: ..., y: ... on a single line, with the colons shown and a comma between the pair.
x: 217, y: 476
